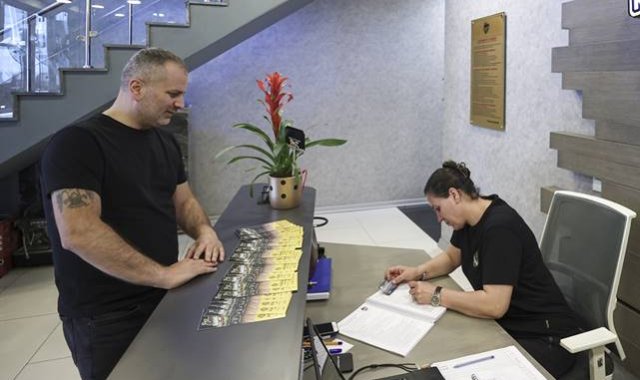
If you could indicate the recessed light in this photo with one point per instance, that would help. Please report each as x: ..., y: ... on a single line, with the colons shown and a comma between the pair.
x: 160, y: 14
x: 97, y: 6
x: 119, y: 14
x: 134, y: 2
x: 63, y: 1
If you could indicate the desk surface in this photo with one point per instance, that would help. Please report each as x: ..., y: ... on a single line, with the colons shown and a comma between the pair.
x: 358, y: 270
x: 170, y: 347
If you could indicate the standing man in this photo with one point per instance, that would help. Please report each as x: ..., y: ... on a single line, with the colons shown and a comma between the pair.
x: 114, y: 187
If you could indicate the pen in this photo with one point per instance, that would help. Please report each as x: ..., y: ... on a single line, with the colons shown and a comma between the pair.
x: 335, y: 350
x: 474, y: 377
x: 474, y: 361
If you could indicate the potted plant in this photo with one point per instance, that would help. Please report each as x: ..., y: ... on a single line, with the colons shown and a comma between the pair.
x: 278, y: 158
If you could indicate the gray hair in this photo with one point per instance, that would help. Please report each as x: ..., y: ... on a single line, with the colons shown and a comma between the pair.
x: 145, y: 64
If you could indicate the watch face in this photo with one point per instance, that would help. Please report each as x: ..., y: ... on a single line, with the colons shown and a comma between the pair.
x: 435, y: 298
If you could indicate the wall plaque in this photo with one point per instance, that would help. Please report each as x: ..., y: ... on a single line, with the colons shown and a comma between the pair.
x: 488, y: 40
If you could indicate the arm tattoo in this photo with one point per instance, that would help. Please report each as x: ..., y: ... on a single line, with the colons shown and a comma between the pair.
x: 73, y: 198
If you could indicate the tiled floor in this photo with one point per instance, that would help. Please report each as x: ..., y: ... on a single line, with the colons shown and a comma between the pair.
x: 32, y: 345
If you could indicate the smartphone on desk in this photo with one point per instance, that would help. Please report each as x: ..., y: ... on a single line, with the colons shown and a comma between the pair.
x: 325, y: 329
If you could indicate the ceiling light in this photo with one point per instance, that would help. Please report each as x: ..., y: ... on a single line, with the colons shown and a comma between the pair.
x: 97, y: 6
x: 160, y: 14
x: 119, y: 14
x: 63, y: 1
x: 134, y: 2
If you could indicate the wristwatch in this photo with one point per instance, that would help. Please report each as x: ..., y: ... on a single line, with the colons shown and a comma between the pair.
x: 435, y: 298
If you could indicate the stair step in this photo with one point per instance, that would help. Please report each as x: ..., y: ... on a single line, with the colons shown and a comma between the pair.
x: 604, y: 81
x: 612, y: 131
x: 606, y: 170
x: 587, y: 13
x: 611, y: 56
x: 620, y: 30
x: 210, y: 3
x: 607, y: 95
x: 608, y: 151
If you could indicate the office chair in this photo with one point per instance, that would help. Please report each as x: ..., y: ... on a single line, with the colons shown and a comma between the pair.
x: 583, y: 243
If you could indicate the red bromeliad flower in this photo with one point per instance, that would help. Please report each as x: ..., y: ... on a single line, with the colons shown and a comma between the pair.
x: 275, y: 97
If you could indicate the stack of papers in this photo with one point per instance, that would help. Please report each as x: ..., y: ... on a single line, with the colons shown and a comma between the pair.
x: 501, y: 364
x: 262, y: 277
x: 395, y: 322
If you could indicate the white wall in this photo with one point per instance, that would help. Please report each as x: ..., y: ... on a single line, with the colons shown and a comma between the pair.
x: 515, y: 163
x: 369, y: 71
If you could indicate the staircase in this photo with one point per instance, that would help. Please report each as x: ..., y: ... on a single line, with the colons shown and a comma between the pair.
x: 212, y: 28
x: 602, y: 61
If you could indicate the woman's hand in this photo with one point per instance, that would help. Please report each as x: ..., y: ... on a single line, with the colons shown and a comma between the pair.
x: 421, y: 291
x: 400, y: 273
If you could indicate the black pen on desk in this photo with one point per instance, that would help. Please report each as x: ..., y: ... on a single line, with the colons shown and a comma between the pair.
x: 474, y: 361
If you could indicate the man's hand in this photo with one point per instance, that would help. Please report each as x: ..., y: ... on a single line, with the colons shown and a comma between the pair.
x: 400, y: 273
x: 184, y: 270
x: 208, y: 246
x: 421, y: 291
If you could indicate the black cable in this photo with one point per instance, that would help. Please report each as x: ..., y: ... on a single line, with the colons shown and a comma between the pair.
x: 404, y: 366
x: 322, y: 218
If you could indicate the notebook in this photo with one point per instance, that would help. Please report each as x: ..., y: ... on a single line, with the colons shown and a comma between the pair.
x: 325, y: 367
x: 320, y: 283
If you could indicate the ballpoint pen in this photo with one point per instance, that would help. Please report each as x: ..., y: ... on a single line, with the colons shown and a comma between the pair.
x: 473, y: 361
x: 335, y: 350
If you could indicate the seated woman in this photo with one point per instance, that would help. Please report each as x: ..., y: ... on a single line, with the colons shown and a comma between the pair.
x: 500, y: 257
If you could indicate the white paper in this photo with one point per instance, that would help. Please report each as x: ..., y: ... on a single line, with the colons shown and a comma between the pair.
x: 400, y: 299
x: 395, y: 324
x: 502, y: 364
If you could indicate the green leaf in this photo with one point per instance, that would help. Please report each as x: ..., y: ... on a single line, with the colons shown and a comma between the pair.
x: 257, y: 148
x: 254, y: 180
x: 326, y: 142
x: 235, y: 159
x: 257, y: 131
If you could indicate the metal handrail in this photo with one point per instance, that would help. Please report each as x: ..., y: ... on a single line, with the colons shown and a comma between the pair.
x: 42, y: 11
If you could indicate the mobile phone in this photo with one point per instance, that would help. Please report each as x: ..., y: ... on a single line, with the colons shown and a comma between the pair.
x: 324, y: 329
x: 344, y: 362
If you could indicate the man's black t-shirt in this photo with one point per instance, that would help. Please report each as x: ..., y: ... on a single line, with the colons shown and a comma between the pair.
x: 501, y: 250
x: 135, y: 173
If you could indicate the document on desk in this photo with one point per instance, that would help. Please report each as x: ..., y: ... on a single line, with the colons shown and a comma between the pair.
x: 395, y: 322
x: 502, y: 364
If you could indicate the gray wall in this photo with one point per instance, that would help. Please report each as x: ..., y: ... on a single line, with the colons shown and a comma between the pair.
x: 369, y: 71
x: 515, y: 163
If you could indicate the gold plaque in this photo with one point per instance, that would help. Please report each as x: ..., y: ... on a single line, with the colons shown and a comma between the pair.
x: 488, y: 38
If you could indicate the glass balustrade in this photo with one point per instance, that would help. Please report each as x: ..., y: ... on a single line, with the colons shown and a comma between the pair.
x: 38, y: 38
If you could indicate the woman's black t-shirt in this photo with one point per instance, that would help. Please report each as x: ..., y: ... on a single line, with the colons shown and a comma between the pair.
x: 501, y: 250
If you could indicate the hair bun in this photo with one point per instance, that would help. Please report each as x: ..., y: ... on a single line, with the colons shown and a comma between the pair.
x: 460, y: 167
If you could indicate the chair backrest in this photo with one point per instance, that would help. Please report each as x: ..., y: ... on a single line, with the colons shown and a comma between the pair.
x: 583, y: 243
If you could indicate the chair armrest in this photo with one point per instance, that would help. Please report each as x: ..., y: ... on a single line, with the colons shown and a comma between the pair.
x: 588, y: 340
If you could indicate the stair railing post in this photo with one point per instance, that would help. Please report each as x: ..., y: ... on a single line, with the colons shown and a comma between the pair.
x: 87, y: 35
x: 130, y: 24
x: 27, y: 53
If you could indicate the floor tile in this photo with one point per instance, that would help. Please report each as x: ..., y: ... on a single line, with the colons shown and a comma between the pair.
x: 55, y: 347
x: 389, y: 225
x: 33, y: 293
x: 10, y: 278
x: 425, y: 243
x: 339, y: 220
x: 355, y: 235
x: 20, y: 339
x: 59, y: 369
